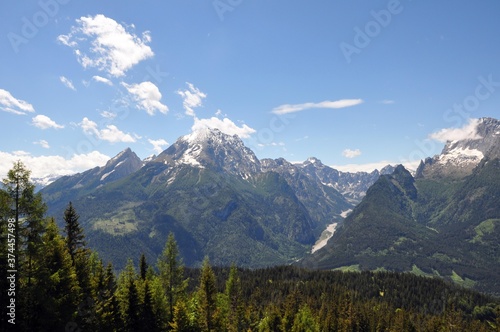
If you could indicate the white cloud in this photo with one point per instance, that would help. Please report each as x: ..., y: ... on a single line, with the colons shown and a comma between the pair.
x: 291, y: 108
x: 468, y: 131
x: 44, y: 122
x: 192, y: 98
x: 108, y: 115
x: 67, y: 83
x: 42, y: 166
x: 13, y: 105
x: 102, y: 80
x: 111, y: 133
x: 89, y: 126
x: 148, y: 96
x: 225, y: 125
x: 112, y: 48
x: 348, y: 153
x: 43, y: 143
x: 158, y: 145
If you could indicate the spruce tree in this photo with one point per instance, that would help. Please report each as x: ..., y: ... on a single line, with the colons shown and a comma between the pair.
x: 143, y: 267
x: 207, y: 295
x: 234, y: 320
x: 171, y: 274
x: 56, y: 288
x: 80, y: 258
x: 75, y: 239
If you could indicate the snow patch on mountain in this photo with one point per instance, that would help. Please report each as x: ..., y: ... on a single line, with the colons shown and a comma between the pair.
x: 460, y: 155
x: 104, y: 176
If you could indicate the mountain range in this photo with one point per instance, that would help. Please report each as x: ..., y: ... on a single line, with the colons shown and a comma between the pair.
x: 221, y: 201
x: 215, y: 195
x: 444, y: 222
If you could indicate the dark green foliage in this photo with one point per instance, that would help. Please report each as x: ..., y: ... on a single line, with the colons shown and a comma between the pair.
x: 75, y: 239
x: 207, y: 298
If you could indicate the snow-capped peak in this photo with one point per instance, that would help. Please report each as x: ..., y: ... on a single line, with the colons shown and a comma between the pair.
x: 210, y: 147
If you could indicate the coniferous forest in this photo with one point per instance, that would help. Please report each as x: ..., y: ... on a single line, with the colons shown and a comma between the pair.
x: 52, y: 281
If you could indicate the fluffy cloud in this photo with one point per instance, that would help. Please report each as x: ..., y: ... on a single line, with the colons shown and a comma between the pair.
x: 102, y: 80
x: 112, y: 48
x: 43, y: 143
x: 148, y: 96
x: 192, y: 98
x: 44, y: 122
x: 13, y: 105
x: 292, y: 108
x: 111, y: 133
x: 348, y: 153
x: 158, y: 145
x: 67, y: 83
x: 42, y: 166
x: 468, y: 131
x: 225, y: 125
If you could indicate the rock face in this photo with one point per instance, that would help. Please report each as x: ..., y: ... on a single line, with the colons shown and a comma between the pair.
x: 460, y: 157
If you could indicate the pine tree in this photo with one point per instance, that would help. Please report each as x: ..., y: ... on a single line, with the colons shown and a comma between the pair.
x: 80, y: 258
x: 56, y: 288
x: 143, y: 267
x: 125, y: 281
x: 148, y: 321
x: 133, y: 322
x: 107, y: 309
x: 234, y: 321
x: 171, y: 274
x: 159, y: 300
x: 207, y: 295
x: 75, y: 239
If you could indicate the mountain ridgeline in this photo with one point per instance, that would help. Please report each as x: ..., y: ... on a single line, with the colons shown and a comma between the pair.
x: 444, y: 222
x: 221, y: 201
x: 215, y: 195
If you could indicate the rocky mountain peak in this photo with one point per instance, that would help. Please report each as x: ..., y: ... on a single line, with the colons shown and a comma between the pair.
x: 459, y: 157
x: 123, y: 164
x: 212, y: 148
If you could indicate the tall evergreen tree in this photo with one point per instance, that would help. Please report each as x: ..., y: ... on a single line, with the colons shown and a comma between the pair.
x: 143, y: 267
x: 75, y: 238
x: 56, y: 288
x: 207, y: 295
x: 126, y: 278
x: 21, y: 204
x: 233, y: 297
x: 133, y: 321
x: 80, y: 258
x: 172, y: 274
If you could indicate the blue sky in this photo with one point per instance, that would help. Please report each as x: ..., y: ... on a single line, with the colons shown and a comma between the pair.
x: 357, y: 84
